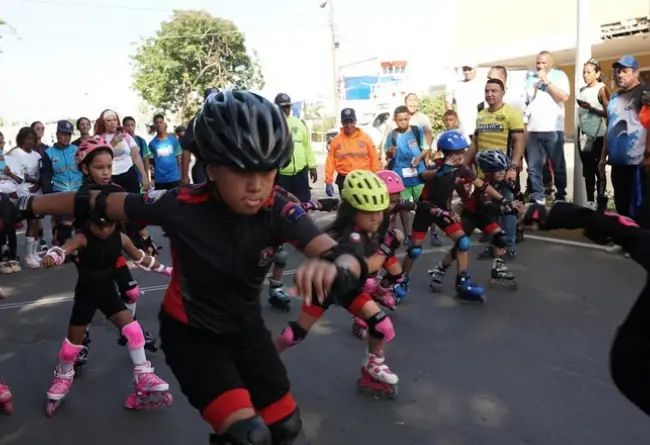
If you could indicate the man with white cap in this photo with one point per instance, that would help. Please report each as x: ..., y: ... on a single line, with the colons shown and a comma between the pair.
x: 465, y: 94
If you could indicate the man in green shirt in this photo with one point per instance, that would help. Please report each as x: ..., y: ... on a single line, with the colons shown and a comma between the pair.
x: 294, y: 178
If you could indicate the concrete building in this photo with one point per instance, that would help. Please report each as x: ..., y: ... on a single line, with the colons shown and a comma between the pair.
x: 512, y: 33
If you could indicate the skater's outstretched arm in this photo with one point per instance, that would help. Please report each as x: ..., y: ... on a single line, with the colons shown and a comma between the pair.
x: 141, y: 259
x: 630, y: 354
x: 56, y: 255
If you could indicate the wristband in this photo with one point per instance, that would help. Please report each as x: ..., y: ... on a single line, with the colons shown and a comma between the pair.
x: 57, y: 254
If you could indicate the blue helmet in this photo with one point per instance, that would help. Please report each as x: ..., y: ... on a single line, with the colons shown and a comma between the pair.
x: 491, y: 161
x: 452, y: 140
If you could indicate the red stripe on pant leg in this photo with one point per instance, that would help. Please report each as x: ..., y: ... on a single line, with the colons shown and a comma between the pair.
x: 418, y: 236
x: 278, y: 410
x: 224, y: 405
x: 452, y: 228
x: 491, y: 228
x: 313, y: 310
x: 390, y: 261
x: 358, y: 303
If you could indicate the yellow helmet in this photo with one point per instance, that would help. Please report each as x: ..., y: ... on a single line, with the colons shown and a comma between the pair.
x: 363, y: 190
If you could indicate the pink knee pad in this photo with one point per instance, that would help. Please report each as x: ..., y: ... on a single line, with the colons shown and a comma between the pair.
x: 380, y: 327
x: 133, y: 294
x: 68, y: 352
x: 370, y: 285
x: 134, y: 335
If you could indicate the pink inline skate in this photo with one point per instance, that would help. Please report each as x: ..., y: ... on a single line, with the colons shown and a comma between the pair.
x: 359, y: 328
x: 5, y: 400
x: 150, y: 391
x: 380, y: 294
x: 377, y: 379
x: 59, y: 390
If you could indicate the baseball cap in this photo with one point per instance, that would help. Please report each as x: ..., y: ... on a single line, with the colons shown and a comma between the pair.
x: 471, y: 66
x: 64, y: 126
x: 626, y: 62
x: 348, y: 114
x: 282, y: 100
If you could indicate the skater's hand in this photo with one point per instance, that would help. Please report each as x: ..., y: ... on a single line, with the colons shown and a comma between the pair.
x: 48, y: 261
x: 314, y: 279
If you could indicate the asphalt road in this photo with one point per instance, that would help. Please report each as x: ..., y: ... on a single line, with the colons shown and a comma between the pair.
x: 530, y: 367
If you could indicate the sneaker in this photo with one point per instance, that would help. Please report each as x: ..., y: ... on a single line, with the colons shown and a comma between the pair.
x: 33, y: 261
x: 15, y: 265
x: 5, y: 268
x: 591, y: 205
x: 615, y: 249
x: 435, y: 239
x: 488, y: 253
x: 42, y: 247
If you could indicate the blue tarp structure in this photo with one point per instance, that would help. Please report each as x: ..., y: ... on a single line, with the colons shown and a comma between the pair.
x: 361, y: 88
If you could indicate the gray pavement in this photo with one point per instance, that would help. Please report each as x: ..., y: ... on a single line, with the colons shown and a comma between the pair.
x: 530, y: 367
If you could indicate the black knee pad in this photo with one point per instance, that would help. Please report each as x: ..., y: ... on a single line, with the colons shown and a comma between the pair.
x: 63, y: 234
x: 251, y: 431
x: 280, y: 258
x: 286, y: 430
x: 499, y: 240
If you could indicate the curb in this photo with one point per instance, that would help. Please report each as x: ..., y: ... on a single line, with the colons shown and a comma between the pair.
x: 565, y: 242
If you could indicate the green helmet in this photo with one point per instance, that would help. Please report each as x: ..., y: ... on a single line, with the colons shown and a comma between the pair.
x: 363, y: 190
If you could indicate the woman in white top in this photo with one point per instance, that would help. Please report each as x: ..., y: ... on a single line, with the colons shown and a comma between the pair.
x: 27, y: 163
x: 592, y: 99
x: 126, y: 159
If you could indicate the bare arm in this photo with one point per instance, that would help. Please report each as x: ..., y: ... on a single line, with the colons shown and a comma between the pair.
x: 519, y: 142
x: 491, y: 192
x: 146, y: 261
x: 137, y: 161
x: 56, y: 255
x: 557, y: 94
x: 471, y: 152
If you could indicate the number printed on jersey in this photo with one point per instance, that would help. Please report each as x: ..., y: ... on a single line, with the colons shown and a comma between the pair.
x: 409, y: 172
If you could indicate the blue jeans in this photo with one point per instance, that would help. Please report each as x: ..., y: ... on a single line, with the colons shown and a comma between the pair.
x: 543, y: 145
x: 509, y: 222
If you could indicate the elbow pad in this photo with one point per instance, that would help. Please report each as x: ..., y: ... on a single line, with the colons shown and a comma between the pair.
x: 338, y: 250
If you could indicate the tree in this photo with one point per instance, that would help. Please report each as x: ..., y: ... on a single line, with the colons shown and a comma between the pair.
x: 191, y: 52
x: 434, y: 108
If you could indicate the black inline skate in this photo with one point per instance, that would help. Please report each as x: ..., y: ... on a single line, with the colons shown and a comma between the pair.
x: 82, y: 357
x: 437, y: 276
x: 278, y: 297
x: 149, y: 340
x: 501, y: 275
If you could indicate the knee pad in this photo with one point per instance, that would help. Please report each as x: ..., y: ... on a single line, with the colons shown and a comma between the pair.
x: 69, y: 352
x: 380, y: 327
x: 463, y: 244
x: 499, y: 240
x: 132, y: 294
x: 251, y: 431
x: 134, y: 335
x: 286, y: 430
x: 414, y: 252
x: 280, y: 258
x: 63, y: 234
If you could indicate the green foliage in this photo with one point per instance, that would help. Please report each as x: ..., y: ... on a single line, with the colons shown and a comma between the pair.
x: 191, y: 52
x: 434, y: 108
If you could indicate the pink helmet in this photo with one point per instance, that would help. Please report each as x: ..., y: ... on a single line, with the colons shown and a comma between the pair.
x: 392, y: 180
x: 88, y: 146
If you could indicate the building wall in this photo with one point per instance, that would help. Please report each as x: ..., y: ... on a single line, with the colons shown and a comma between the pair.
x: 523, y: 28
x: 644, y: 62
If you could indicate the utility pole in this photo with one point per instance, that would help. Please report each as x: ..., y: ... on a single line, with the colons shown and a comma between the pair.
x: 583, y: 53
x: 335, y: 46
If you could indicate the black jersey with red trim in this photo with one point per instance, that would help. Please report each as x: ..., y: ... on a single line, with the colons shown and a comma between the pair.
x: 440, y: 189
x: 97, y: 261
x: 220, y: 258
x: 363, y: 243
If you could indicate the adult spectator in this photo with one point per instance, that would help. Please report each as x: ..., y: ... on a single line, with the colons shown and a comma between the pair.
x: 626, y: 141
x: 513, y: 98
x: 165, y: 152
x: 39, y: 131
x: 2, y: 142
x: 351, y: 149
x: 547, y: 91
x: 188, y: 145
x: 129, y: 126
x: 500, y: 126
x: 593, y: 100
x: 464, y: 95
x: 83, y: 127
x: 294, y: 178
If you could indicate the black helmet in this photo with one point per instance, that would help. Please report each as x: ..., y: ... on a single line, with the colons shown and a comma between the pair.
x: 242, y: 130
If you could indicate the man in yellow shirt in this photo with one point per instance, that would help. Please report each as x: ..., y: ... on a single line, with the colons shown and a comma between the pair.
x: 294, y: 178
x: 500, y: 126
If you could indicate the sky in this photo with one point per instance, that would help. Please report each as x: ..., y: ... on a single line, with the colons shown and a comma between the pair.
x: 67, y: 58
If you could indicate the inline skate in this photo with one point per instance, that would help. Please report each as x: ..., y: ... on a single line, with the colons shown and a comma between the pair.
x: 377, y: 379
x: 383, y: 296
x: 6, y: 406
x: 468, y: 292
x: 278, y: 298
x: 501, y: 275
x: 82, y: 357
x: 401, y: 289
x: 59, y: 390
x: 437, y: 276
x: 149, y: 390
x: 149, y: 341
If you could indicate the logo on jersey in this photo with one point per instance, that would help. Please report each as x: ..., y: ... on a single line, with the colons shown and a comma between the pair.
x: 362, y: 144
x: 153, y: 195
x: 292, y: 212
x: 266, y: 256
x: 355, y: 237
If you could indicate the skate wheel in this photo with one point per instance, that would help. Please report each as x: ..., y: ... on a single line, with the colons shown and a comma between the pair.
x: 168, y: 400
x: 513, y: 285
x: 132, y: 402
x: 51, y: 407
x: 8, y: 408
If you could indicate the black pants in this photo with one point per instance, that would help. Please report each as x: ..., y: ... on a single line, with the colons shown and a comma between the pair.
x: 590, y: 162
x: 198, y: 172
x: 223, y: 373
x: 297, y: 185
x: 340, y: 179
x: 630, y: 183
x: 167, y: 185
x: 91, y: 296
x: 9, y: 237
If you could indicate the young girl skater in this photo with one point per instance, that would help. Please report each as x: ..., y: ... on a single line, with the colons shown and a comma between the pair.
x: 95, y: 158
x: 359, y: 221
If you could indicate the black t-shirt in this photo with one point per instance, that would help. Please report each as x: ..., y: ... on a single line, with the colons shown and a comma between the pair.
x: 97, y: 261
x: 440, y: 189
x: 220, y: 258
x: 364, y: 244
